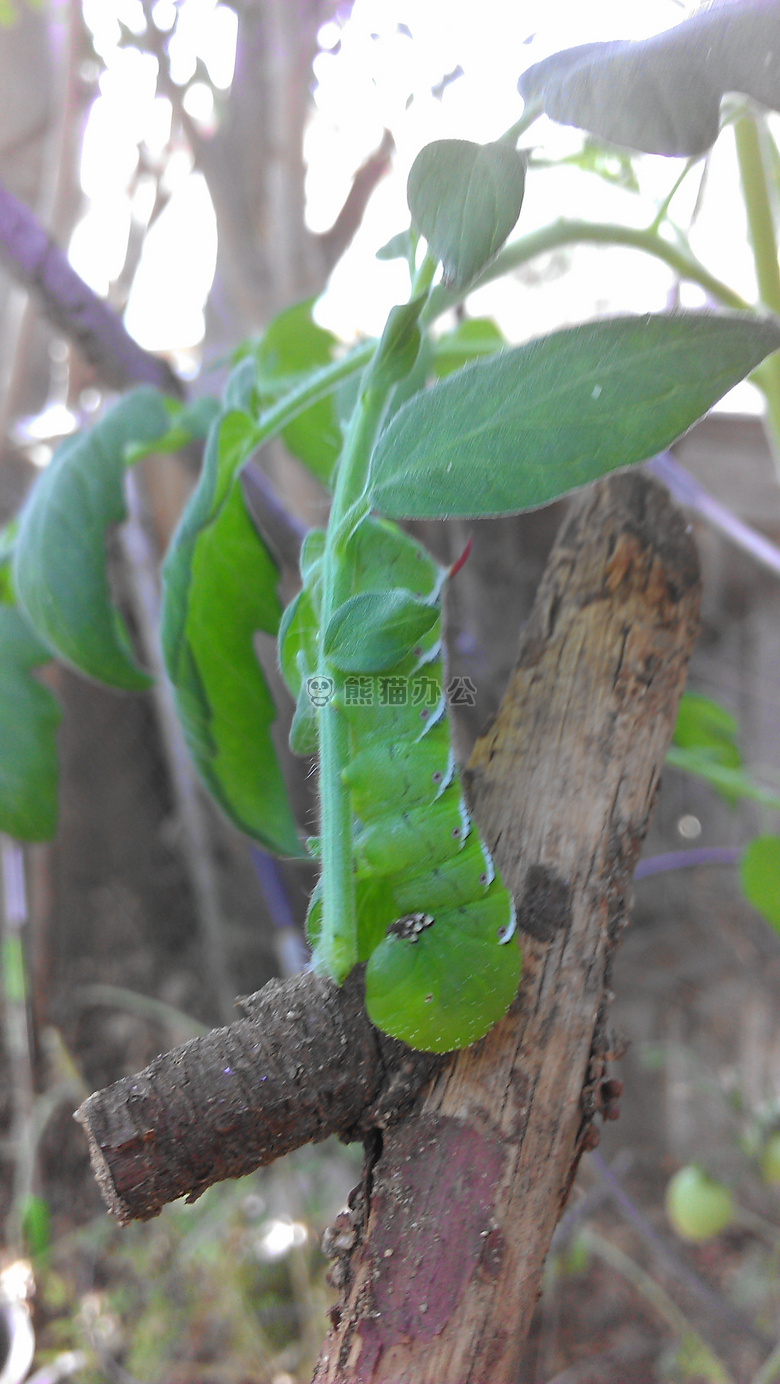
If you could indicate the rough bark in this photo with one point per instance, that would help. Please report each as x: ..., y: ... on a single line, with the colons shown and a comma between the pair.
x: 441, y: 1252
x: 466, y: 1194
x: 304, y: 1064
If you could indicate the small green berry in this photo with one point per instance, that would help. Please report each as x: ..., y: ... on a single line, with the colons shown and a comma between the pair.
x: 697, y: 1206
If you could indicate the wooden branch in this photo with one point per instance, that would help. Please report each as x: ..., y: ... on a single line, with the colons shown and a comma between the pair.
x: 333, y: 242
x: 462, y: 1203
x: 304, y: 1064
x: 441, y: 1253
x: 34, y: 260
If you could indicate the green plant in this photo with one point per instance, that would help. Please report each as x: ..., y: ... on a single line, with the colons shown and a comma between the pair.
x: 405, y: 883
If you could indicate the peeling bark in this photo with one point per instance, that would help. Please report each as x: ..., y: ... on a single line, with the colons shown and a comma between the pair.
x: 440, y: 1254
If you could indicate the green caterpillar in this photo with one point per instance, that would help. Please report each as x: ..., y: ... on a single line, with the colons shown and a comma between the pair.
x: 432, y: 913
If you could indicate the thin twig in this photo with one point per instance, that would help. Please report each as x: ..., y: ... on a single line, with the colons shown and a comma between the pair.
x: 652, y: 1292
x: 685, y: 860
x: 688, y: 492
x: 70, y: 305
x: 717, y: 1306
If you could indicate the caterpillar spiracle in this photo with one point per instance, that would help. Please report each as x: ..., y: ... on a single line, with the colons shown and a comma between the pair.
x: 433, y: 915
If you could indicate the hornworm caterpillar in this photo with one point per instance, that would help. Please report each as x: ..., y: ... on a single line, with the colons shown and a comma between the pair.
x: 432, y: 912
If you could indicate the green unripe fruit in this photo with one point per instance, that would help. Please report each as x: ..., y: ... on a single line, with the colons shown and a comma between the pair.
x: 697, y: 1206
x: 770, y: 1159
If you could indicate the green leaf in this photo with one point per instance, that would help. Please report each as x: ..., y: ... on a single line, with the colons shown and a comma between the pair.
x: 704, y: 724
x: 188, y: 422
x: 759, y: 875
x: 35, y: 1224
x: 706, y: 727
x: 525, y: 426
x: 445, y: 990
x: 240, y: 390
x: 732, y: 783
x: 29, y: 716
x: 376, y: 629
x: 472, y: 338
x: 292, y: 347
x: 399, y: 345
x: 59, y: 568
x: 401, y: 246
x: 465, y: 198
x: 219, y: 590
x: 663, y: 94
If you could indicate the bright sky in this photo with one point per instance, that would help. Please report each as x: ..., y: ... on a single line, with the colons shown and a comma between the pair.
x: 385, y: 60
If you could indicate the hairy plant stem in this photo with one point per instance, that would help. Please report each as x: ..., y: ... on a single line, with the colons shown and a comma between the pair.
x: 763, y: 242
x: 315, y: 387
x: 570, y: 231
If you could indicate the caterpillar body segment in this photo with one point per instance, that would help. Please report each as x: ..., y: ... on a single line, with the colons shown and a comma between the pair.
x: 407, y: 771
x: 432, y: 914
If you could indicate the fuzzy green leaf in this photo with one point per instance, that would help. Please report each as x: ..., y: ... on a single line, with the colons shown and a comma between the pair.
x: 399, y: 345
x: 29, y: 716
x: 400, y: 246
x: 759, y: 874
x: 521, y: 428
x: 663, y: 94
x: 376, y: 629
x: 704, y: 726
x: 472, y: 338
x: 219, y: 590
x: 465, y: 198
x: 60, y: 555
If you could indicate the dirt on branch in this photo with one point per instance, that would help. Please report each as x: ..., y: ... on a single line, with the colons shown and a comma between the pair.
x: 441, y: 1253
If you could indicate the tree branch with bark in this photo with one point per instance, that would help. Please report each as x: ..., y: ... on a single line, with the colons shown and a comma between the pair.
x: 470, y: 1157
x: 35, y: 261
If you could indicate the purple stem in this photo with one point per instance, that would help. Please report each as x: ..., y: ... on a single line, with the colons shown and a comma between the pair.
x: 34, y: 260
x: 682, y: 860
x: 687, y: 490
x: 290, y: 948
